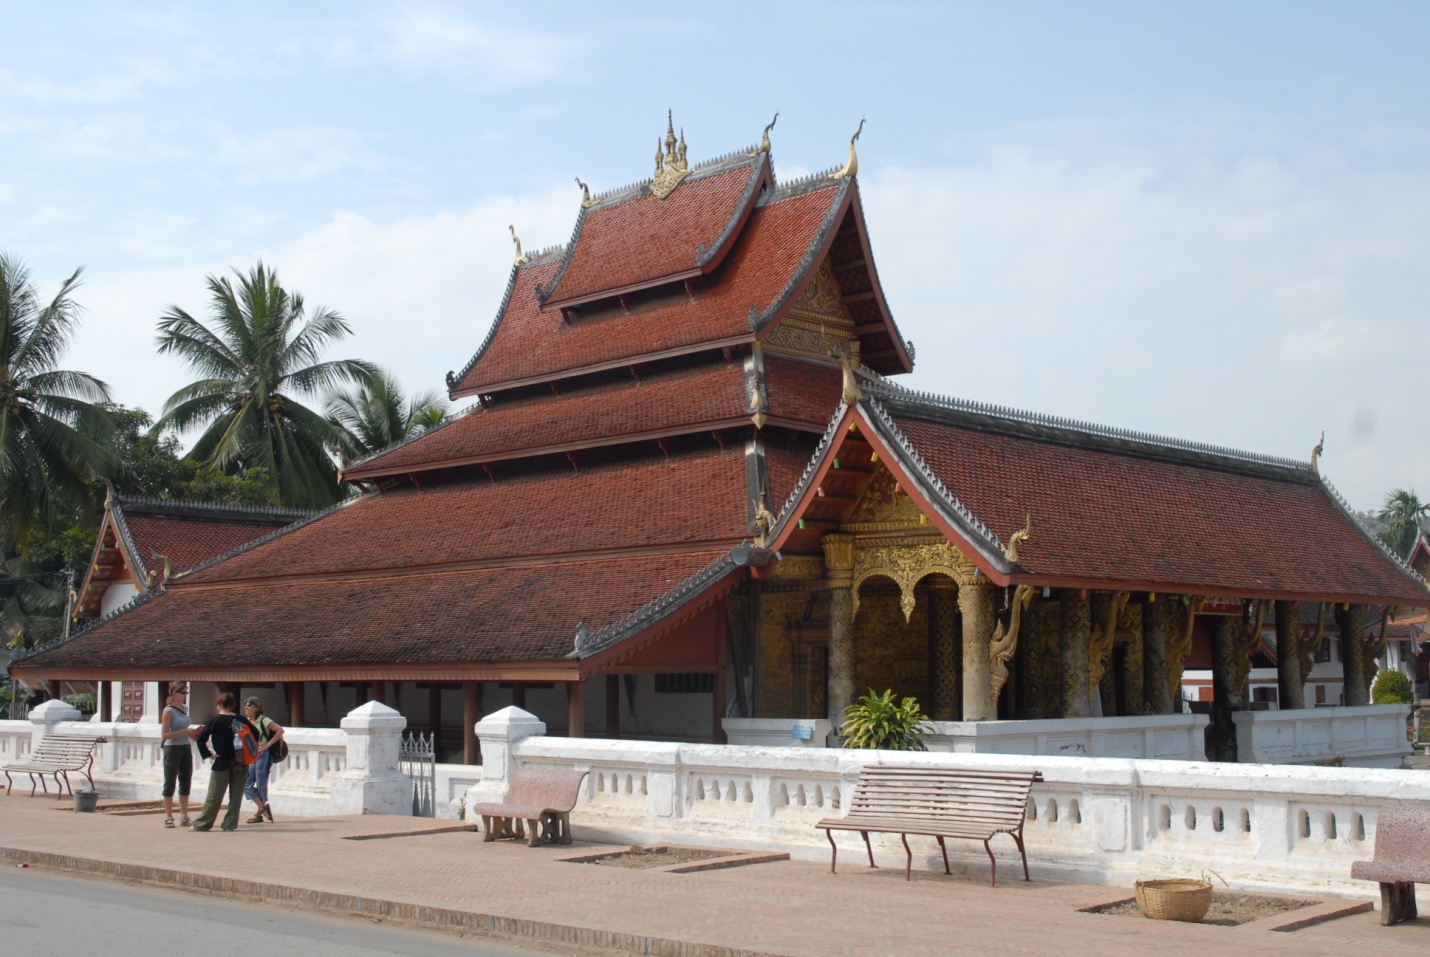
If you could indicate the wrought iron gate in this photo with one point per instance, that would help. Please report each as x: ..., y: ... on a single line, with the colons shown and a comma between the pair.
x: 417, y: 760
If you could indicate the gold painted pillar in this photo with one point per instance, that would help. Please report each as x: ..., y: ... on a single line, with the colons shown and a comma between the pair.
x: 839, y: 572
x: 943, y: 647
x: 975, y: 601
x: 1290, y: 683
x: 1077, y: 632
x: 1134, y: 699
x: 1350, y: 619
x: 1028, y: 663
x: 1159, y: 617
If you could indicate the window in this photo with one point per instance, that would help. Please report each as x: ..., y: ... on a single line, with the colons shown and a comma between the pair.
x: 685, y: 684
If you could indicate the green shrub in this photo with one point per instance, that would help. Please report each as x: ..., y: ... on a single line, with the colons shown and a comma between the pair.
x: 84, y: 703
x: 1391, y: 687
x: 880, y: 722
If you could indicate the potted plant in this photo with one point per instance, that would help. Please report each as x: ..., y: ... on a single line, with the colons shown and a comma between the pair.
x: 879, y: 721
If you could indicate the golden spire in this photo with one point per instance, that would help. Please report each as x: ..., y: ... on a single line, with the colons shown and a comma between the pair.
x: 670, y: 167
x: 1316, y: 454
x: 514, y: 238
x: 851, y: 167
x: 586, y: 201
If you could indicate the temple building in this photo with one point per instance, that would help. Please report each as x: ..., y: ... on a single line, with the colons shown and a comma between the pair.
x: 688, y: 493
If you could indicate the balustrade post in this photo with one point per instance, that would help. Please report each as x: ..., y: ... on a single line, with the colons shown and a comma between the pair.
x: 372, y: 782
x: 46, y: 717
x: 500, y: 732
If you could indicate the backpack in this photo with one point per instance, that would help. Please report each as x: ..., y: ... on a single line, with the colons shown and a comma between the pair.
x: 278, y: 750
x: 245, y: 744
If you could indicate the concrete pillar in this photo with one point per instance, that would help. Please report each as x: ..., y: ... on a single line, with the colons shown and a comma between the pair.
x: 943, y: 648
x: 1290, y: 683
x: 372, y: 783
x: 1159, y: 617
x: 45, y: 716
x: 471, y: 710
x: 1228, y: 686
x: 839, y: 567
x: 975, y: 603
x: 576, y: 709
x: 500, y: 733
x: 1077, y: 631
x: 1355, y: 668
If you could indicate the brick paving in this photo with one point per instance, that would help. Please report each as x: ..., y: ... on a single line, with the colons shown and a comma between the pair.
x: 451, y: 879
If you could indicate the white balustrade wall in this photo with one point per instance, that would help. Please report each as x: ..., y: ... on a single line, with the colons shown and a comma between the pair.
x: 1103, y: 820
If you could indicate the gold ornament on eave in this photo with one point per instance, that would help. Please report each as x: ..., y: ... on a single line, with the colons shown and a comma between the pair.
x: 852, y: 166
x: 670, y: 166
x: 520, y: 258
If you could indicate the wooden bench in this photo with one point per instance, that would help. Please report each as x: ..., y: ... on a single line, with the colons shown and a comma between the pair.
x: 57, y: 755
x: 540, y: 797
x: 1401, y: 860
x: 937, y: 802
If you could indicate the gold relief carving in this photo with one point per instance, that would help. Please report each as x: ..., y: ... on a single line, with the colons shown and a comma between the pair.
x: 905, y: 563
x: 1005, y: 640
x: 884, y: 507
x: 1104, y: 634
x: 800, y: 566
x: 791, y: 337
x: 1182, y: 646
x: 838, y: 554
x: 1010, y: 552
x: 822, y: 298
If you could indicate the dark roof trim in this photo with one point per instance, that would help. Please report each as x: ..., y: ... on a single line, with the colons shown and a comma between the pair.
x: 904, y: 351
x: 455, y: 378
x: 131, y: 550
x: 1401, y: 565
x: 142, y: 598
x: 212, y: 511
x: 823, y: 238
x: 356, y: 468
x: 592, y: 643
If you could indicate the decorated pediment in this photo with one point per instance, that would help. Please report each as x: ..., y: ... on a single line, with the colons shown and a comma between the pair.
x: 884, y: 507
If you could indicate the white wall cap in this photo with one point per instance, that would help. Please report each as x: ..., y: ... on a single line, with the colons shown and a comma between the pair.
x: 52, y: 711
x: 509, y: 722
x: 375, y: 715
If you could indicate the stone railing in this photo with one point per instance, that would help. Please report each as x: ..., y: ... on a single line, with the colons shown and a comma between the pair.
x: 1102, y: 820
x: 347, y: 770
x: 1369, y: 736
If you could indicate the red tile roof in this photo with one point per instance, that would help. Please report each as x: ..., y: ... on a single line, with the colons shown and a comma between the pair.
x: 773, y: 249
x: 636, y: 242
x: 1146, y: 517
x: 693, y: 499
x: 431, y: 619
x: 189, y: 542
x: 605, y: 412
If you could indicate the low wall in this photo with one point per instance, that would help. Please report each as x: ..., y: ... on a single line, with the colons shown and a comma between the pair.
x: 1370, y: 736
x: 1101, y: 820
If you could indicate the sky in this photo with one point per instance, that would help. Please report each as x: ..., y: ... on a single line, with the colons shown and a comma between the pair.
x: 1209, y: 221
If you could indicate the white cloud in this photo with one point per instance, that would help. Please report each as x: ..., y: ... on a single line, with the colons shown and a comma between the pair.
x: 296, y: 155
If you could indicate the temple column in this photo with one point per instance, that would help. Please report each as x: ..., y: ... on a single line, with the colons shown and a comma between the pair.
x: 1290, y: 683
x: 104, y: 705
x: 1158, y: 622
x: 943, y: 647
x: 839, y: 571
x: 1028, y: 664
x: 1099, y: 654
x: 1077, y: 632
x: 471, y: 714
x: 434, y: 716
x: 1228, y: 686
x: 1134, y: 692
x: 975, y: 602
x: 576, y: 709
x: 1350, y: 619
x: 296, y: 713
x: 613, y: 706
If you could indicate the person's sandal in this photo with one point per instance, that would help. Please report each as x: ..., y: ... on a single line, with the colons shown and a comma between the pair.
x: 168, y: 822
x: 268, y: 812
x: 256, y: 819
x: 186, y: 822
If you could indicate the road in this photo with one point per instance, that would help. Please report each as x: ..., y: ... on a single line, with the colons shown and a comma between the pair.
x: 43, y: 912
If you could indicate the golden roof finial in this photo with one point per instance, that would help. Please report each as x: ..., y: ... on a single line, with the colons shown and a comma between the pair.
x: 586, y: 201
x: 670, y: 167
x: 851, y: 392
x: 1016, y: 539
x: 764, y: 146
x: 851, y: 167
x: 514, y: 238
x: 1316, y: 453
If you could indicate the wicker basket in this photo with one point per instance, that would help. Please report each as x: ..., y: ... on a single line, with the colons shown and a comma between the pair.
x: 1177, y: 899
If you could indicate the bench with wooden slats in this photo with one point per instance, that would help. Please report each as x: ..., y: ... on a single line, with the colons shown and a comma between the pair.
x: 56, y: 755
x: 937, y: 802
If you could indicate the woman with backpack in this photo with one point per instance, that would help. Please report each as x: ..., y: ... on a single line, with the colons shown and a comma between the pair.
x: 235, y: 744
x: 270, y: 734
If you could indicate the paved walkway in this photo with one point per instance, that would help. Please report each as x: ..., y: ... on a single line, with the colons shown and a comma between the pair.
x: 450, y: 878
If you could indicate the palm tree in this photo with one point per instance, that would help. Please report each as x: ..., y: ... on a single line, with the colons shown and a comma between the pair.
x: 257, y: 354
x: 46, y: 414
x: 1402, y: 513
x: 378, y: 414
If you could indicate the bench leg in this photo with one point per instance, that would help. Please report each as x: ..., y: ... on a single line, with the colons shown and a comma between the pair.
x: 533, y: 836
x: 1019, y: 838
x: 992, y: 866
x: 1397, y: 902
x: 8, y: 784
x: 833, y: 849
x: 61, y: 789
x: 908, y: 858
x: 869, y: 848
x: 944, y: 848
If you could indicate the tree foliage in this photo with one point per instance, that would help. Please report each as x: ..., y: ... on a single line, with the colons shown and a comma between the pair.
x: 378, y: 414
x: 879, y: 721
x: 255, y: 357
x: 1402, y: 514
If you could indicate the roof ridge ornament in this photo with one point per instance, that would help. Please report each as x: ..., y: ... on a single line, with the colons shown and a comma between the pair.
x: 764, y: 146
x: 521, y: 260
x: 852, y: 166
x: 586, y: 201
x: 1316, y: 453
x: 670, y: 167
x: 1010, y: 551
